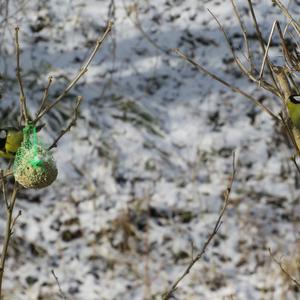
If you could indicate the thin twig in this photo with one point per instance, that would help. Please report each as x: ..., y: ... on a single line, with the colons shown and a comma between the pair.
x: 147, y: 279
x: 269, y: 87
x: 71, y: 124
x: 23, y: 108
x: 62, y: 294
x: 245, y: 35
x: 15, y: 219
x: 230, y: 86
x: 291, y: 58
x: 295, y: 281
x: 291, y: 34
x: 14, y: 13
x: 6, y: 173
x: 8, y: 232
x: 82, y: 71
x: 261, y: 41
x: 4, y: 191
x: 45, y: 96
x: 217, y: 226
x: 111, y: 16
x: 287, y: 56
x: 293, y: 159
x: 286, y: 27
x: 293, y: 82
x: 288, y: 15
x: 267, y: 50
x: 139, y: 26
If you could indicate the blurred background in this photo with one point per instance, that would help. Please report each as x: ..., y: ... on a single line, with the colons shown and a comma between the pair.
x: 142, y: 175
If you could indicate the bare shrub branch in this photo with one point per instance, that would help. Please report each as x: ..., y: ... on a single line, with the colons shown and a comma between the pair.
x: 229, y: 85
x: 266, y: 85
x: 71, y: 124
x: 8, y: 231
x: 45, y: 96
x: 216, y: 228
x: 24, y: 117
x: 61, y: 293
x: 244, y: 31
x: 261, y: 41
x: 22, y: 97
x: 82, y: 71
x: 285, y: 11
x: 279, y: 263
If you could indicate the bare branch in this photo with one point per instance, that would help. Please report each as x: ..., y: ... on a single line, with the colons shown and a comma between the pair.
x: 244, y: 31
x: 230, y: 86
x: 8, y: 232
x: 62, y: 294
x: 44, y: 108
x: 294, y: 84
x: 295, y: 281
x: 72, y: 123
x: 267, y: 50
x: 22, y: 98
x: 293, y: 159
x: 19, y: 214
x: 139, y: 26
x: 6, y: 173
x: 291, y: 56
x: 45, y: 96
x: 288, y: 15
x: 271, y: 88
x: 82, y: 71
x: 261, y: 41
x: 4, y: 191
x: 217, y: 226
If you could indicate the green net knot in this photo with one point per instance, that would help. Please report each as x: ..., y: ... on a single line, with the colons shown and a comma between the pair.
x: 31, y: 141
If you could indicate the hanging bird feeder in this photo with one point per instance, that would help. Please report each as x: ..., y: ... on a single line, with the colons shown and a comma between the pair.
x: 34, y: 165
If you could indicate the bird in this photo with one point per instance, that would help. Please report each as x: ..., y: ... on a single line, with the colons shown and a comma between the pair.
x: 293, y: 106
x: 11, y: 139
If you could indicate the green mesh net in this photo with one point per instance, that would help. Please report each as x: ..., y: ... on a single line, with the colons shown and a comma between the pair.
x: 34, y: 165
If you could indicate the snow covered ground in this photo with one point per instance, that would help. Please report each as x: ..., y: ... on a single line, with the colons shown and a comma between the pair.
x: 142, y: 176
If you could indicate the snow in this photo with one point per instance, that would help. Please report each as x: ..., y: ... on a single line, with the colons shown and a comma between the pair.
x: 142, y: 175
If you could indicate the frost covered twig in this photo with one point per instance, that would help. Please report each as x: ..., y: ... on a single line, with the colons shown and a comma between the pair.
x: 290, y: 277
x: 72, y: 123
x: 217, y: 226
x: 82, y: 71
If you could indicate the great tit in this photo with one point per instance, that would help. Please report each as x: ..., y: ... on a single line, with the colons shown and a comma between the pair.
x: 11, y: 139
x: 293, y: 106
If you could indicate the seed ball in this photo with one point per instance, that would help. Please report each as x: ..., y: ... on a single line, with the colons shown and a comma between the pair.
x: 34, y: 176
